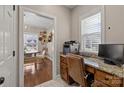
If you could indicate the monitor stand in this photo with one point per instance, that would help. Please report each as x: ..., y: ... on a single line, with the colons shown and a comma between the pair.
x: 109, y: 62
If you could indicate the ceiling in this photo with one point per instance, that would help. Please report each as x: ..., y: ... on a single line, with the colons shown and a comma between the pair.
x: 34, y: 20
x: 70, y: 6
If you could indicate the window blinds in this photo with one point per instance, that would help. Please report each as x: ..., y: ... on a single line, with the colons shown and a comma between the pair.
x: 91, y: 33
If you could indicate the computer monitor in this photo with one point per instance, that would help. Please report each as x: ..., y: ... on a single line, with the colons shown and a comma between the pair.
x: 112, y: 53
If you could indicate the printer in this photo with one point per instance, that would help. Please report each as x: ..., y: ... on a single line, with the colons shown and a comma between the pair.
x: 71, y: 47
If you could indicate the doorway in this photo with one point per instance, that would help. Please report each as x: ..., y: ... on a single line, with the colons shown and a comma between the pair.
x: 37, y: 39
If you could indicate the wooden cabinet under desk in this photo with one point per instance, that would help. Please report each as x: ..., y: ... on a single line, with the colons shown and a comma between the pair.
x: 108, y: 79
x: 101, y: 78
x: 104, y: 79
x: 63, y: 67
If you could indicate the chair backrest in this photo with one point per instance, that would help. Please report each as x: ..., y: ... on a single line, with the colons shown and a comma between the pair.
x: 76, y: 69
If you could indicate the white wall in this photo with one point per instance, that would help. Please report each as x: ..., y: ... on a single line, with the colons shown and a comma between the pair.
x: 63, y: 23
x: 114, y: 15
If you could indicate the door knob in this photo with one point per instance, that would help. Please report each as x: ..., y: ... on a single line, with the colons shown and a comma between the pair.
x: 2, y: 79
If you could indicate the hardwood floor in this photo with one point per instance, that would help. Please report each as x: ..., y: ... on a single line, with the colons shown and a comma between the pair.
x: 37, y: 73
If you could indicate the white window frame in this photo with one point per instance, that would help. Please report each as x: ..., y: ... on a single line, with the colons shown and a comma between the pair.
x: 91, y: 13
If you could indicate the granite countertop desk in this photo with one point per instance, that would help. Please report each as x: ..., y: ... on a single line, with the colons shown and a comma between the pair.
x: 99, y: 64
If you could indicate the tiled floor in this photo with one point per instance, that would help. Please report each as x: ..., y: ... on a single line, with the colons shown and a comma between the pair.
x: 56, y: 83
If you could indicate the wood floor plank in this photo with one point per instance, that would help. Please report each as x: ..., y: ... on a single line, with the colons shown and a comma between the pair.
x: 37, y: 73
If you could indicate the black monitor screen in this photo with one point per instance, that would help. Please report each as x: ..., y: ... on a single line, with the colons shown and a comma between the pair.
x: 113, y: 52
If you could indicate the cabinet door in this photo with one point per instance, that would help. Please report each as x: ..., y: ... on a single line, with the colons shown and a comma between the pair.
x: 114, y: 20
x: 63, y: 70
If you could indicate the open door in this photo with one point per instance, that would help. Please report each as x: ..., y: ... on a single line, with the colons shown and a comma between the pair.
x: 7, y: 63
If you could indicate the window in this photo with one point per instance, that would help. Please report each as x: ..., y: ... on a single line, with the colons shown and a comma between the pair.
x: 30, y: 42
x: 91, y: 33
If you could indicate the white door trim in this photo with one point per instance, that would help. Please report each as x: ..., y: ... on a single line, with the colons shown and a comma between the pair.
x: 21, y: 49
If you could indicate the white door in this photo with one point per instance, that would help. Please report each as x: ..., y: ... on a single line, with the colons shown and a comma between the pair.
x: 7, y: 63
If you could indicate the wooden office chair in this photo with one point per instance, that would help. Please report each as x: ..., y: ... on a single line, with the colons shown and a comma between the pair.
x: 76, y: 69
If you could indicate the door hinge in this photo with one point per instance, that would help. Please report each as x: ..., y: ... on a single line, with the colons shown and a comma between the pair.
x: 13, y: 53
x: 13, y: 7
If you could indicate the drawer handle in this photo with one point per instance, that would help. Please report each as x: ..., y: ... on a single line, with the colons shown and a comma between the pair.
x: 106, y: 78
